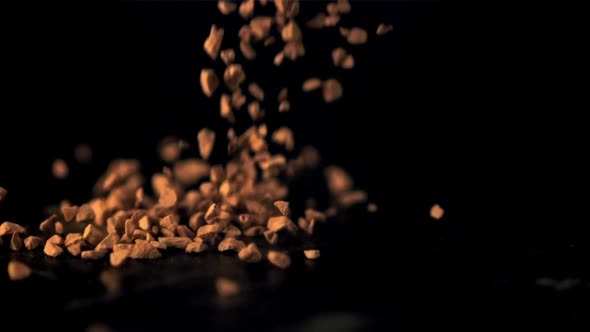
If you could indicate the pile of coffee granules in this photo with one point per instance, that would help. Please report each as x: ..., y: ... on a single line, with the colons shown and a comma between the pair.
x: 198, y: 207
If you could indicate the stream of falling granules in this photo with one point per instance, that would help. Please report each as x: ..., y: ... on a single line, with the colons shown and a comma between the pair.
x: 233, y: 203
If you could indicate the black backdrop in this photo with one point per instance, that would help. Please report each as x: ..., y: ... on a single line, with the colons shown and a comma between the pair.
x: 414, y: 128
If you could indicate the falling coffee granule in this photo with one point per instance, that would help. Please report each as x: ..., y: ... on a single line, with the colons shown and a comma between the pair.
x: 311, y: 254
x: 7, y: 228
x: 226, y: 7
x: 312, y: 84
x: 213, y: 43
x: 18, y: 270
x: 332, y: 90
x: 60, y: 169
x: 209, y: 82
x: 356, y: 36
x: 206, y: 138
x: 436, y: 212
x: 383, y: 29
x: 32, y: 242
x: 3, y: 193
x: 279, y: 259
x: 16, y: 242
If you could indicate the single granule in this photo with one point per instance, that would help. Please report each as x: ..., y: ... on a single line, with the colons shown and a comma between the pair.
x: 279, y: 259
x: 18, y: 270
x: 436, y: 212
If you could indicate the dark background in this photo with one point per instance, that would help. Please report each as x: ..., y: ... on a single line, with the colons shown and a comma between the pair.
x: 419, y: 124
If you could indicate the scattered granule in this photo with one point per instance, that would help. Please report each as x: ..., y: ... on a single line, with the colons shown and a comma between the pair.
x: 232, y: 231
x: 344, y: 32
x: 317, y: 22
x: 207, y: 232
x: 284, y: 106
x: 16, y: 242
x: 59, y: 227
x: 196, y: 247
x: 209, y: 82
x: 287, y: 8
x: 60, y: 169
x: 170, y: 148
x: 228, y: 56
x: 117, y: 258
x: 283, y: 94
x: 291, y: 32
x: 269, y: 41
x: 238, y: 99
x: 85, y: 213
x: 311, y: 84
x: 356, y: 36
x: 111, y: 280
x: 247, y: 50
x: 226, y: 7
x: 278, y: 223
x: 93, y: 235
x: 314, y: 214
x: 32, y: 242
x: 94, y: 254
x: 226, y: 287
x: 246, y: 9
x: 231, y: 244
x: 56, y: 239
x: 311, y: 254
x: 343, y: 6
x: 83, y: 153
x: 263, y: 3
x: 245, y: 33
x: 225, y: 108
x: 332, y: 9
x: 256, y: 91
x: 206, y: 138
x: 332, y: 90
x: 250, y: 254
x: 190, y: 171
x: 338, y: 56
x: 260, y: 27
x: 3, y: 193
x: 338, y: 180
x: 383, y: 29
x: 331, y: 21
x: 175, y: 242
x: 51, y: 249
x: 284, y: 137
x: 348, y: 62
x: 108, y: 242
x: 69, y: 212
x: 213, y: 42
x: 254, y: 111
x: 278, y: 59
x: 144, y: 251
x: 48, y: 225
x: 73, y: 238
x: 18, y: 270
x: 283, y: 207
x: 436, y: 212
x: 234, y: 76
x: 278, y: 259
x: 271, y: 237
x: 7, y: 228
x: 351, y: 198
x: 306, y: 225
x: 372, y: 207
